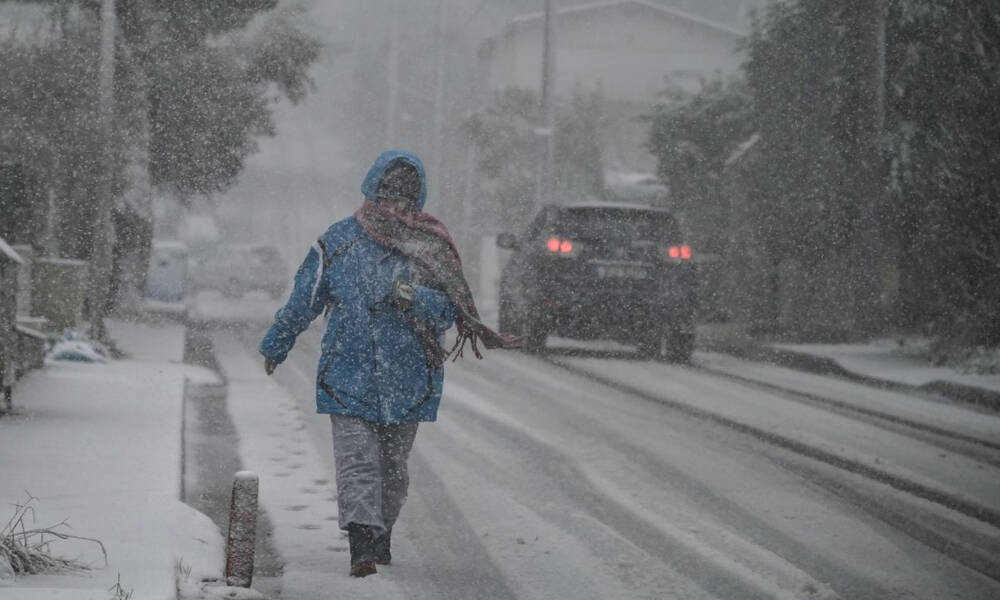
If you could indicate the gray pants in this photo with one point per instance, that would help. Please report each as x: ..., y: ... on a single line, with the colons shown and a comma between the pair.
x: 371, y: 470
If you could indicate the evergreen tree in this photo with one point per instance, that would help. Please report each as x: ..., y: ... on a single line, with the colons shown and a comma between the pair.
x: 924, y: 182
x: 203, y: 73
x: 508, y: 153
x: 212, y: 82
x: 49, y: 123
x: 692, y: 135
x: 803, y: 74
x: 944, y: 117
x: 817, y: 171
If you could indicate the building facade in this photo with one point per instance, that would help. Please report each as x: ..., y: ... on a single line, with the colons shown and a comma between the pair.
x: 630, y: 50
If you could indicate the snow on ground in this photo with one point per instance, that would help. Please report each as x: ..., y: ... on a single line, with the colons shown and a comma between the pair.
x: 296, y: 489
x: 886, y: 360
x: 99, y: 446
x: 610, y: 346
x: 709, y: 542
x: 837, y: 435
x: 213, y: 306
x: 676, y: 488
x: 908, y: 406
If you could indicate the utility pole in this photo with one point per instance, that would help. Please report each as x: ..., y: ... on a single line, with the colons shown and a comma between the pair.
x: 870, y: 309
x: 100, y: 256
x: 437, y: 134
x: 546, y: 133
x: 880, y: 69
x: 392, y: 77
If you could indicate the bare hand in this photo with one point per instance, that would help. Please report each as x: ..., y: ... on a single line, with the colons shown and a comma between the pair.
x: 269, y: 366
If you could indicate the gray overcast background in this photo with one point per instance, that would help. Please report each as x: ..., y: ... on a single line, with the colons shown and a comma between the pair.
x: 309, y: 174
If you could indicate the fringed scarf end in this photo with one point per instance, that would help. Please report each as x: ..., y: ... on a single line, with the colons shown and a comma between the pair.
x: 457, y: 351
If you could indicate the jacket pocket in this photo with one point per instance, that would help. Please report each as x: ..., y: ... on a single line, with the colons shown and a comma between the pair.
x: 329, y: 351
x: 326, y: 362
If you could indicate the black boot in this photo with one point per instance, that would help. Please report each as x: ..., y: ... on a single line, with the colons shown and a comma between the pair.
x: 362, y: 541
x: 381, y: 548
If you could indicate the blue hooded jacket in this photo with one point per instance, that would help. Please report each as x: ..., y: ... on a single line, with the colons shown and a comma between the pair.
x: 371, y: 363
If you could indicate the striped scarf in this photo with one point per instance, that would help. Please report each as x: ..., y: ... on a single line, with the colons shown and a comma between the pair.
x: 425, y: 240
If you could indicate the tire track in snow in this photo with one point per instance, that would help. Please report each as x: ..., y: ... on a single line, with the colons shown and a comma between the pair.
x: 910, y: 485
x: 715, y: 559
x: 614, y: 507
x: 974, y: 446
x: 867, y: 567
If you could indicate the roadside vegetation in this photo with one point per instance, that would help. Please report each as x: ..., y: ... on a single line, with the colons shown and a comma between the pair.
x: 851, y: 193
x: 28, y: 548
x: 195, y: 85
x: 508, y: 150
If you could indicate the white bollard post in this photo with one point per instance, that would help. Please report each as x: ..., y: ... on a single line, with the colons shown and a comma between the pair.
x: 242, y: 530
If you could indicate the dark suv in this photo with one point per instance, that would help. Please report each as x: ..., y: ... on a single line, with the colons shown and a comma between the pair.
x: 601, y: 270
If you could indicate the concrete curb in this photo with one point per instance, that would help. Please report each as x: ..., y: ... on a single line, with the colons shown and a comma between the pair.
x: 983, y: 398
x: 199, y: 350
x: 218, y: 590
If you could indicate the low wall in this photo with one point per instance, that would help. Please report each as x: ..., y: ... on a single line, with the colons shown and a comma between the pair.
x: 59, y: 287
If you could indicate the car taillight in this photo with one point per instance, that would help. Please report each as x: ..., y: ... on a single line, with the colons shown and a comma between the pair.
x: 560, y: 246
x: 679, y: 252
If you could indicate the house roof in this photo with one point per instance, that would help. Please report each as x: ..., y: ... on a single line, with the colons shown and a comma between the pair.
x: 536, y: 18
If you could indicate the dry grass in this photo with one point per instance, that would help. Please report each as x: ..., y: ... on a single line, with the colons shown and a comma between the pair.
x: 28, y: 548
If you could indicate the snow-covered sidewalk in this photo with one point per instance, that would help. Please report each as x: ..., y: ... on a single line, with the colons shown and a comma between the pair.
x: 99, y: 448
x: 880, y: 361
x: 885, y: 360
x: 297, y: 490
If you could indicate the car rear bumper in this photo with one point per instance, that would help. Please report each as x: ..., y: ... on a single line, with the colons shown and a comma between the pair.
x: 616, y: 311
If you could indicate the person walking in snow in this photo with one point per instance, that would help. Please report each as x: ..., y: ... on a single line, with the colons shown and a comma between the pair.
x: 389, y: 280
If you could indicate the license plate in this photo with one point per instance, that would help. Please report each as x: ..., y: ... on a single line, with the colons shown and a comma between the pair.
x: 622, y: 272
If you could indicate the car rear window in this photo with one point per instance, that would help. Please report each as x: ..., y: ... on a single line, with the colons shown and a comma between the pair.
x: 616, y: 223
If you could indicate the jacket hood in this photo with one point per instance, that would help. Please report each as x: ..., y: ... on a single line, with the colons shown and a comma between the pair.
x: 370, y: 184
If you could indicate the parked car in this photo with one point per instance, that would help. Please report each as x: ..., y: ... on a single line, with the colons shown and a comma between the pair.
x: 601, y: 270
x: 235, y: 269
x: 167, y: 271
x: 198, y: 232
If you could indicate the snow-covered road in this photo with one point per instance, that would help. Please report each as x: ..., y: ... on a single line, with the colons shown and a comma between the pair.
x: 627, y: 479
x: 846, y: 439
